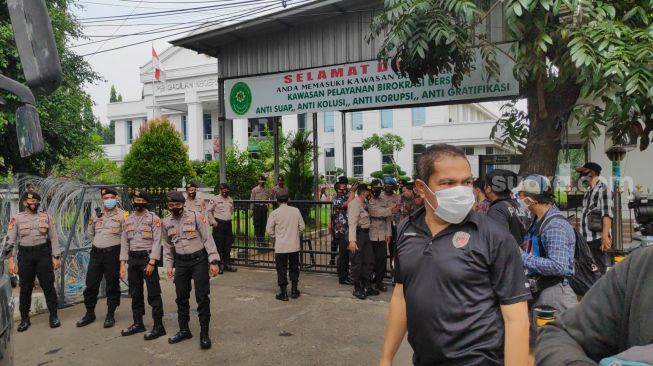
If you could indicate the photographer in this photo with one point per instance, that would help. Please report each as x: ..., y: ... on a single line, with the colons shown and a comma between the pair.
x: 548, y: 253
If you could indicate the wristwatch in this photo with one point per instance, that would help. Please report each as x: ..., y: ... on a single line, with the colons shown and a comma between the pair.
x: 215, y: 263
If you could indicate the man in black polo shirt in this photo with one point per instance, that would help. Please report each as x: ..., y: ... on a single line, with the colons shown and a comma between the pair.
x: 461, y: 291
x: 503, y: 208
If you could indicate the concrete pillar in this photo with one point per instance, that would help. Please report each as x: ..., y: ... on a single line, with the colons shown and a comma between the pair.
x: 240, y: 134
x: 195, y: 131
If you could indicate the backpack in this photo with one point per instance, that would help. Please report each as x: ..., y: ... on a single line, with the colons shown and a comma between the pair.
x: 586, y: 271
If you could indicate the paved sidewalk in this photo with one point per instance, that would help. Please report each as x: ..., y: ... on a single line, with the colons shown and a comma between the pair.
x: 325, y: 326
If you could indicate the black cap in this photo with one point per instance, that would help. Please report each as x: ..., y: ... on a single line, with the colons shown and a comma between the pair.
x: 175, y: 196
x: 262, y: 178
x: 376, y: 183
x: 224, y: 186
x: 141, y: 193
x: 343, y: 179
x: 108, y: 190
x: 501, y: 180
x: 192, y: 184
x: 31, y: 195
x: 282, y: 179
x: 409, y: 185
x: 596, y: 168
x: 363, y: 187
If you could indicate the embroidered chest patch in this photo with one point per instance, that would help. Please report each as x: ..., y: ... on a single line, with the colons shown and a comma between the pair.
x: 460, y: 239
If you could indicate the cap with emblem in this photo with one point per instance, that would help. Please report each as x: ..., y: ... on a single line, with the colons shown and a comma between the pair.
x: 534, y: 184
x: 224, y: 186
x: 261, y: 179
x: 596, y: 168
x: 376, y: 183
x: 31, y: 195
x: 175, y: 196
x: 364, y: 187
x: 108, y: 190
x: 141, y: 193
x: 192, y: 185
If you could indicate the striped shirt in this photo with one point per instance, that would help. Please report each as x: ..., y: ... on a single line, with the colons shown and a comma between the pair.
x: 597, y: 198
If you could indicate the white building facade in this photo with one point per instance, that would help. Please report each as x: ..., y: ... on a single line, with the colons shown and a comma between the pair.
x: 188, y: 98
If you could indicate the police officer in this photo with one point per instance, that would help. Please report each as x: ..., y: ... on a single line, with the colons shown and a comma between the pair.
x: 105, y: 232
x: 278, y: 190
x: 38, y: 248
x: 260, y: 210
x: 141, y: 249
x: 219, y: 211
x: 380, y: 231
x: 192, y: 201
x: 188, y: 246
x: 360, y: 247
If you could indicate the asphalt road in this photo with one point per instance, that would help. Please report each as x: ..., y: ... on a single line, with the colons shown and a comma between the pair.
x: 325, y: 326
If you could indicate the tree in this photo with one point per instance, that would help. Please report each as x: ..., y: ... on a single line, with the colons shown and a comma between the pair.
x: 66, y: 115
x: 95, y: 169
x: 157, y: 158
x: 243, y: 172
x: 113, y: 95
x: 298, y: 165
x: 387, y: 144
x: 586, y: 60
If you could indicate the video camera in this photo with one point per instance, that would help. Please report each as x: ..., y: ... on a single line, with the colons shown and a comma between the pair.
x: 643, y: 208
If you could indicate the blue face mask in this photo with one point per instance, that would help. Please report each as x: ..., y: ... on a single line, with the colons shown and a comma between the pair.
x: 110, y: 204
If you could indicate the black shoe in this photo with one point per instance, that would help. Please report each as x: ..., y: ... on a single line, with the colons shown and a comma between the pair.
x: 370, y: 291
x: 220, y: 268
x: 86, y: 320
x: 345, y: 281
x: 381, y: 287
x: 182, y: 335
x: 157, y: 331
x: 205, y: 341
x: 109, y: 321
x: 230, y: 268
x: 332, y: 262
x: 54, y: 321
x: 360, y: 294
x: 282, y: 294
x: 294, y: 293
x: 133, y: 329
x: 24, y: 324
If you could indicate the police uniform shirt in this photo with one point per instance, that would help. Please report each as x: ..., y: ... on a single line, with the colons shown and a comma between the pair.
x: 380, y: 217
x: 142, y: 233
x: 278, y: 191
x: 259, y: 194
x: 220, y: 208
x: 453, y: 286
x: 358, y: 217
x: 31, y: 229
x: 393, y: 200
x: 187, y: 234
x: 196, y: 204
x: 285, y: 225
x: 106, y: 231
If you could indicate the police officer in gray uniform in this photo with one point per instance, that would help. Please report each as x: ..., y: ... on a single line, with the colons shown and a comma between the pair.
x: 38, y: 249
x: 188, y: 247
x: 141, y: 249
x: 105, y: 232
x: 360, y: 246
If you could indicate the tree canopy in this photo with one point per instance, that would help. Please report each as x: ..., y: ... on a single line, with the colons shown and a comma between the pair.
x: 589, y: 60
x: 66, y: 116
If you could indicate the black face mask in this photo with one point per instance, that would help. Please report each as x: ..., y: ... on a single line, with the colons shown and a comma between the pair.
x: 177, y: 211
x: 140, y: 207
x: 192, y: 194
x: 376, y: 193
x: 225, y: 193
x: 389, y: 190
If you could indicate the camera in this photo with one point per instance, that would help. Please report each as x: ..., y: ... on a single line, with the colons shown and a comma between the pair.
x: 643, y: 208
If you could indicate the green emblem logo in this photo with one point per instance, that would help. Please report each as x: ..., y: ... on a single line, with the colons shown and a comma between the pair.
x: 240, y: 98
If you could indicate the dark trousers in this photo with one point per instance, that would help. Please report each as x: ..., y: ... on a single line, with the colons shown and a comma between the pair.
x: 380, y: 251
x: 107, y: 265
x: 283, y: 260
x: 260, y: 220
x: 362, y: 261
x: 343, y: 255
x: 196, y: 270
x: 31, y: 265
x: 136, y: 277
x: 600, y: 257
x: 224, y: 239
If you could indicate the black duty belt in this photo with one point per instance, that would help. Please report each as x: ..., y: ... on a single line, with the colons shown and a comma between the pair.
x: 363, y: 230
x: 260, y: 205
x: 33, y: 248
x: 105, y: 250
x: 139, y: 254
x: 191, y: 256
x: 224, y: 221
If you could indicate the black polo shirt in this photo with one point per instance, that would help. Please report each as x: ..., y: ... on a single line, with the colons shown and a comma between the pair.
x: 453, y: 286
x: 514, y: 218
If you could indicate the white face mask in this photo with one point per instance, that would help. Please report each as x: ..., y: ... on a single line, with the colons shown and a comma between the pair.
x: 454, y: 204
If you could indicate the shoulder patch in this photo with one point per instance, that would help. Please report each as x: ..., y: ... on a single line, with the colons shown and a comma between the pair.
x: 12, y: 220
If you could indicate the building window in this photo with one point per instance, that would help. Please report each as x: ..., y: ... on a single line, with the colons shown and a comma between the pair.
x: 386, y: 118
x: 489, y: 150
x: 329, y: 159
x: 328, y: 122
x: 357, y: 162
x: 418, y: 149
x: 208, y: 156
x: 208, y: 128
x: 301, y: 122
x: 387, y: 158
x: 329, y: 152
x: 419, y: 116
x: 184, y: 127
x: 258, y: 126
x: 357, y: 121
x: 468, y: 150
x: 130, y: 132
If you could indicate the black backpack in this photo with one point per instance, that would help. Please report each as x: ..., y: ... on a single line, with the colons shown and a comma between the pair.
x: 586, y: 271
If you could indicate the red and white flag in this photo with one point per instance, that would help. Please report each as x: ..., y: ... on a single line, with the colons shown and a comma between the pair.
x: 159, y: 74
